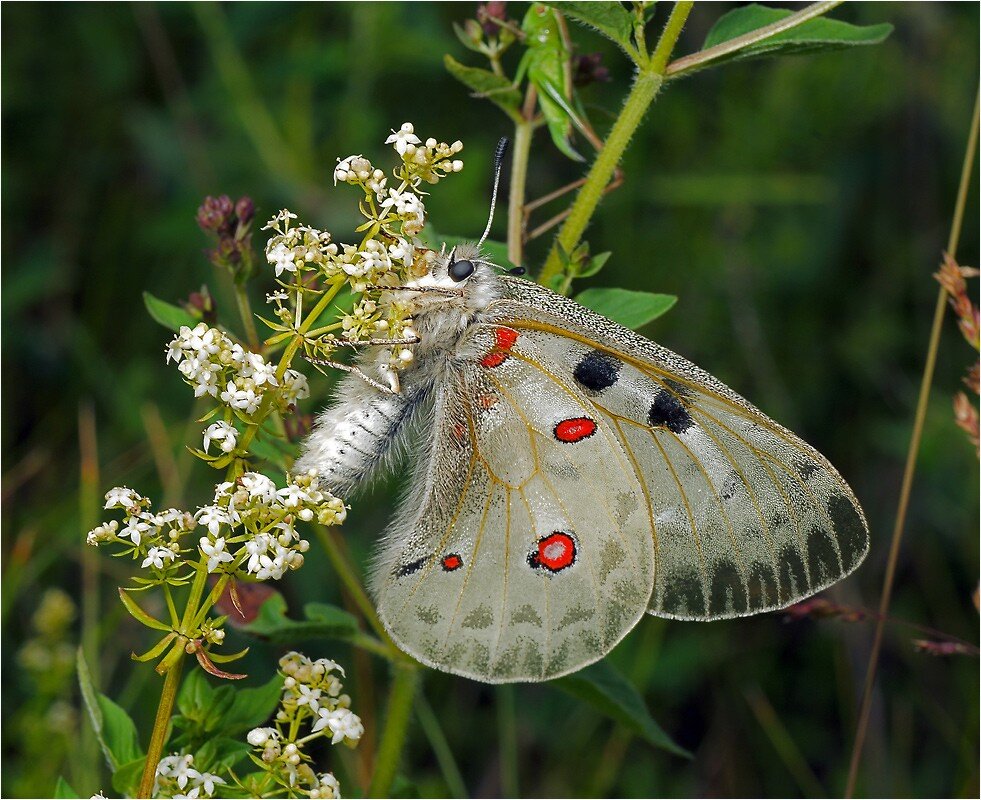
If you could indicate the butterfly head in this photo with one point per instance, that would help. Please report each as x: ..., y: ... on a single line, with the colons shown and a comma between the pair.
x: 462, y: 280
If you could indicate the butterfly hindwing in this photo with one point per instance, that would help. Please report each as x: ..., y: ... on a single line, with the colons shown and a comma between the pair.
x: 746, y: 517
x: 525, y: 551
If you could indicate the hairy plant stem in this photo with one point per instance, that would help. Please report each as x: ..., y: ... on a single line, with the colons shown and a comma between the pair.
x: 911, y: 457
x: 647, y: 84
x: 397, y: 716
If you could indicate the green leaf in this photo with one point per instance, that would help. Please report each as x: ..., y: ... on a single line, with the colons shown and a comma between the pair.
x: 221, y: 753
x: 139, y: 614
x: 64, y: 789
x: 594, y: 265
x: 816, y: 35
x: 167, y: 314
x: 126, y: 779
x: 195, y: 695
x: 609, y: 692
x: 321, y: 621
x: 251, y: 707
x: 113, y: 727
x: 610, y: 19
x: 496, y: 88
x: 631, y: 309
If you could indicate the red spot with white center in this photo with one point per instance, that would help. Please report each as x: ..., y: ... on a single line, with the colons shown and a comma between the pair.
x: 452, y: 562
x: 555, y: 552
x: 504, y: 339
x: 575, y: 429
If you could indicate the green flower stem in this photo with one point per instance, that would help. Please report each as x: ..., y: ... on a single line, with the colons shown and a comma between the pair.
x: 507, y: 740
x: 516, y: 194
x: 400, y: 701
x: 212, y: 598
x: 245, y: 311
x: 172, y: 682
x: 650, y: 78
x: 441, y: 747
x: 285, y: 362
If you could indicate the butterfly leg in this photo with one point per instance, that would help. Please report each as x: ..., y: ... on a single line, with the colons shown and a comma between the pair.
x: 393, y: 381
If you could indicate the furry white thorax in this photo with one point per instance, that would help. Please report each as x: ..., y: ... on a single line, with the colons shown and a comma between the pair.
x: 364, y: 428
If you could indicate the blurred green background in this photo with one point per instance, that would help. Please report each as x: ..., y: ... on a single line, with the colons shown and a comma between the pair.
x: 797, y: 207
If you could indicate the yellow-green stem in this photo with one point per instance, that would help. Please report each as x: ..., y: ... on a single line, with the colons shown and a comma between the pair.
x: 646, y: 86
x: 911, y: 456
x: 168, y: 694
x: 398, y: 714
x: 516, y: 194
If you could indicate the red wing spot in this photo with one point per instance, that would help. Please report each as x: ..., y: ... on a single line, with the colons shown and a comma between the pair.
x: 487, y: 401
x: 459, y: 429
x: 504, y: 339
x: 575, y: 429
x: 452, y: 562
x: 555, y: 552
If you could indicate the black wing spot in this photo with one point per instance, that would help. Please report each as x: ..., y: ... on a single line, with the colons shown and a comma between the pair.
x: 597, y: 371
x: 414, y: 566
x: 853, y: 537
x: 681, y: 391
x: 667, y: 412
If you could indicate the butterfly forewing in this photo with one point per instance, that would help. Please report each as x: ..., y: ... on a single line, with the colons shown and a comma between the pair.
x: 745, y: 516
x: 531, y: 552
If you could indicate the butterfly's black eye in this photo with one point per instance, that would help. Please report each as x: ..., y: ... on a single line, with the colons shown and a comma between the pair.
x: 461, y: 270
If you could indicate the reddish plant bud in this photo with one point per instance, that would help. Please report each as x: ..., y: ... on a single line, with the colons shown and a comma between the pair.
x: 487, y: 13
x: 244, y: 210
x: 215, y: 213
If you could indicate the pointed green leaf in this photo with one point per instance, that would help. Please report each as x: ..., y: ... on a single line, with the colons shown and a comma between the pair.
x: 815, y: 35
x: 321, y: 621
x: 221, y: 753
x: 64, y: 789
x: 610, y: 19
x: 631, y: 309
x: 113, y: 727
x: 609, y: 692
x: 138, y: 613
x: 167, y: 314
x: 157, y: 650
x: 496, y: 88
x: 594, y: 265
x: 225, y: 658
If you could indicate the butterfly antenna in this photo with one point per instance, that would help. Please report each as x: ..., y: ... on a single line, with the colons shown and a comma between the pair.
x: 502, y: 147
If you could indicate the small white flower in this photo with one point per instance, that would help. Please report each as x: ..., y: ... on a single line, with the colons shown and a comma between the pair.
x: 207, y: 782
x: 216, y: 552
x: 291, y: 496
x: 257, y: 737
x: 282, y: 257
x: 212, y: 516
x: 221, y: 432
x: 193, y: 794
x: 403, y: 138
x: 343, y: 724
x: 327, y: 787
x: 156, y: 556
x: 258, y: 486
x: 134, y: 530
x: 122, y: 497
x: 308, y: 697
x: 243, y: 399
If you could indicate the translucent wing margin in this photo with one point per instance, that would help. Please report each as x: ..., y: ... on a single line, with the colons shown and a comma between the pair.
x: 524, y: 550
x: 746, y: 516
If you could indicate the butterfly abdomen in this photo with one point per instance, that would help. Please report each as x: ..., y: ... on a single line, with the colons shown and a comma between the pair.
x: 351, y: 439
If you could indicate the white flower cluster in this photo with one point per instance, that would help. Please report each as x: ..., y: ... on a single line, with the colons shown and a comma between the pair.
x: 177, y: 778
x: 251, y: 524
x: 312, y: 693
x: 154, y: 536
x: 217, y: 366
x: 388, y: 256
